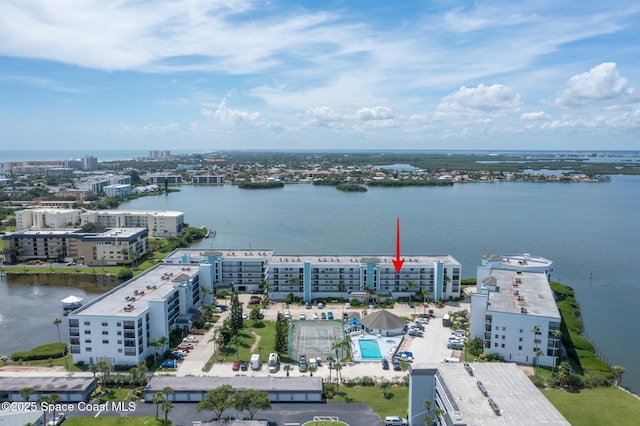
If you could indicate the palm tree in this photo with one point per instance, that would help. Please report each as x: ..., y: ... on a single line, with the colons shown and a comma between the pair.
x: 167, y: 406
x: 427, y: 406
x: 536, y: 332
x: 287, y: 368
x: 557, y: 334
x: 26, y: 393
x: 54, y: 398
x: 341, y: 288
x: 564, y: 371
x: 167, y: 390
x: 158, y: 398
x: 538, y: 355
x: 330, y: 361
x: 155, y: 344
x: 312, y: 369
x: 57, y: 321
x: 338, y: 367
x: 44, y: 400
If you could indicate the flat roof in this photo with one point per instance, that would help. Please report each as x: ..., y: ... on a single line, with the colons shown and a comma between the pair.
x: 152, y: 285
x: 524, y: 260
x: 51, y: 232
x: 115, y: 233
x: 517, y: 398
x: 139, y: 212
x: 518, y: 290
x: 300, y: 259
x: 46, y: 383
x: 206, y: 383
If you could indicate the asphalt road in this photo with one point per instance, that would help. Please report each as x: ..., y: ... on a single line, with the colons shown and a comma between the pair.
x: 354, y: 413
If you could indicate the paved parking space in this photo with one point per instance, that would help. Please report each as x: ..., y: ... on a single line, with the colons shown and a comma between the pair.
x: 430, y: 349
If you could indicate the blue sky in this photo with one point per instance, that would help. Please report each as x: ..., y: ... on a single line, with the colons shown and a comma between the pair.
x: 243, y: 74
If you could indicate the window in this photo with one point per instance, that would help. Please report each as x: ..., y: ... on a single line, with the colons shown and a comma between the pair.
x: 87, y: 350
x: 87, y: 323
x: 119, y: 351
x: 87, y: 340
x: 519, y: 348
x: 105, y: 341
x: 119, y: 333
x: 503, y: 337
x: 520, y: 330
x: 503, y: 345
x: 119, y: 324
x: 520, y: 339
x: 87, y: 332
x: 105, y: 324
x: 105, y: 332
x: 495, y: 345
x: 497, y: 336
x: 119, y: 342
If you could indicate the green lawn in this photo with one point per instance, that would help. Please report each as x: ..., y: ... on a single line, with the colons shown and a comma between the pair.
x: 246, y: 339
x: 372, y: 396
x: 599, y: 406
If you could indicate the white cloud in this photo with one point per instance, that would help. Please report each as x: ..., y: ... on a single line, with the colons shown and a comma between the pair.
x: 492, y: 99
x: 322, y: 116
x: 537, y: 115
x: 233, y: 117
x: 374, y: 113
x: 600, y: 83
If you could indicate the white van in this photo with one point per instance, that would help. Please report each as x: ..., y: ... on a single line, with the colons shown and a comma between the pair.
x: 255, y: 362
x: 273, y: 362
x: 452, y: 360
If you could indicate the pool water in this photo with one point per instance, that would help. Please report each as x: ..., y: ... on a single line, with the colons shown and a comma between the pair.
x: 369, y: 349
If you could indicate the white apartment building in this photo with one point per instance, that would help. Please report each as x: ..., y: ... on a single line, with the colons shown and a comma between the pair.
x: 47, y: 218
x: 122, y: 191
x: 117, y: 326
x: 98, y: 183
x: 111, y: 247
x: 159, y: 223
x: 312, y: 277
x: 515, y: 314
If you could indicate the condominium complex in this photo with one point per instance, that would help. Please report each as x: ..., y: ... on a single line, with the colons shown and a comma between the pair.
x: 98, y: 183
x: 122, y: 191
x: 514, y: 310
x: 159, y: 223
x: 312, y: 277
x: 112, y: 247
x: 47, y: 218
x: 117, y: 326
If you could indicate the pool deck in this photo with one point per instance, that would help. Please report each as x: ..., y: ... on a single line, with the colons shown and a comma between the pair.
x: 387, y: 345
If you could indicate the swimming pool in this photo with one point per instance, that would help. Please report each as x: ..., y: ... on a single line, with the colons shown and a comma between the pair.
x: 369, y: 349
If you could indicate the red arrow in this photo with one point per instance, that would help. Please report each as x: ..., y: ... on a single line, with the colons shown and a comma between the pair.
x: 397, y: 262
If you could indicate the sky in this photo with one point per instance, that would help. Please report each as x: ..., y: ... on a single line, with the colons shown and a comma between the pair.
x: 306, y: 75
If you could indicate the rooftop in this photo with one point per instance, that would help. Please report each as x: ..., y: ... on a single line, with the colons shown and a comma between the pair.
x: 206, y: 383
x: 522, y: 292
x: 133, y: 296
x: 514, y: 396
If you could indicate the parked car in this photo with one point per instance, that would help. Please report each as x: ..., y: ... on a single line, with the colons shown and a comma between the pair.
x: 315, y: 315
x: 385, y: 364
x: 411, y: 305
x: 395, y: 421
x: 302, y: 363
x: 320, y: 305
x: 287, y: 315
x: 303, y: 316
x: 256, y: 292
x: 405, y: 354
x: 57, y: 420
x: 235, y: 366
x: 196, y: 332
x: 190, y: 339
x: 308, y: 306
x: 347, y: 305
x: 330, y: 315
x: 416, y: 333
x: 455, y: 346
x: 323, y: 316
x: 169, y: 363
x: 244, y: 366
x: 253, y: 301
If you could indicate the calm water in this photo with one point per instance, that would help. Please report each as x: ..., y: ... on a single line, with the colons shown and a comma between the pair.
x: 589, y: 230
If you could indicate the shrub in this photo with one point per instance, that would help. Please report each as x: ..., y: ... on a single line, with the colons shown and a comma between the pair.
x: 387, y: 394
x: 537, y: 380
x: 50, y: 350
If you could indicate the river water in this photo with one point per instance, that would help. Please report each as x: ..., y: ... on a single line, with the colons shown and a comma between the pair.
x: 589, y: 230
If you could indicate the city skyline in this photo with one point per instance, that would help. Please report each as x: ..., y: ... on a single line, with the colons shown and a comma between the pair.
x: 330, y: 75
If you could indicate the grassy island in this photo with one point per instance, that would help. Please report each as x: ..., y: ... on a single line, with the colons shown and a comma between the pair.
x: 351, y: 187
x: 261, y: 185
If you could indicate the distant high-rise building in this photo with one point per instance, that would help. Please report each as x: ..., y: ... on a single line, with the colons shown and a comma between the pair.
x: 159, y: 154
x: 89, y: 163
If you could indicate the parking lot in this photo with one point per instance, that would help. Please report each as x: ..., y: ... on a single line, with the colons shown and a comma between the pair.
x: 429, y: 349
